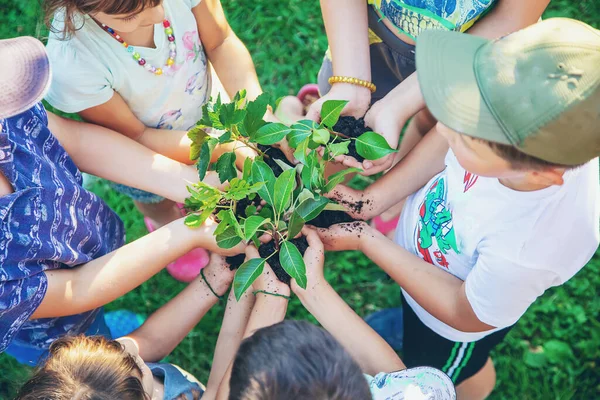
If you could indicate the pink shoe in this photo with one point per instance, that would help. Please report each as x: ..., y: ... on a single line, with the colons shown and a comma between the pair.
x: 310, y: 89
x: 385, y: 227
x: 187, y: 267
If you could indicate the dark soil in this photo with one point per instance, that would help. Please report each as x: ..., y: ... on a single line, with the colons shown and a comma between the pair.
x: 274, y: 153
x: 328, y: 218
x: 265, y: 250
x: 240, y: 207
x: 353, y: 128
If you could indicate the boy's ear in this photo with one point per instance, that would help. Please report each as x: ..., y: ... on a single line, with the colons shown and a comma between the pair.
x: 549, y: 176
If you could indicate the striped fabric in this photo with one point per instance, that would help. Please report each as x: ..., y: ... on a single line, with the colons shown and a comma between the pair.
x: 459, y: 357
x: 49, y: 222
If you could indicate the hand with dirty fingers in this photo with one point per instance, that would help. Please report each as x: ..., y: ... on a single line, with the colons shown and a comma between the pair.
x: 267, y: 281
x: 346, y: 236
x: 314, y: 257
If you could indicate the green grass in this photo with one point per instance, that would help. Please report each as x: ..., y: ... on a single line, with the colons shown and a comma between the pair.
x: 553, y: 352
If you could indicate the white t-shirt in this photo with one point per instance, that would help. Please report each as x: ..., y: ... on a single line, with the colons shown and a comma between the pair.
x: 90, y: 66
x: 420, y: 383
x: 508, y: 246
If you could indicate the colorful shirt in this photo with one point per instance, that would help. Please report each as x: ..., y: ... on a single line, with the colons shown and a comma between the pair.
x: 508, y: 246
x: 420, y: 383
x: 49, y: 222
x: 411, y: 17
x: 177, y: 382
x: 91, y: 65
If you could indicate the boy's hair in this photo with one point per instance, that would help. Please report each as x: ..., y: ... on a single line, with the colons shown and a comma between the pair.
x: 75, y: 8
x: 83, y: 368
x: 295, y: 360
x: 519, y: 160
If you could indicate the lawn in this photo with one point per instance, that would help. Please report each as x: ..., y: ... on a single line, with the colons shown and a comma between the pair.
x: 553, y: 351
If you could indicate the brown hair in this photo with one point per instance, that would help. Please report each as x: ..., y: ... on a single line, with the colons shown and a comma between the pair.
x: 74, y: 8
x: 519, y: 160
x: 86, y: 368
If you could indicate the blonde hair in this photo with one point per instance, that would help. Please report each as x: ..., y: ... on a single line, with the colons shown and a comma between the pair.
x: 86, y: 368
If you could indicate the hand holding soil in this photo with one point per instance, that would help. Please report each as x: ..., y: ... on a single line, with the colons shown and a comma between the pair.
x: 266, y: 281
x: 218, y: 274
x: 357, y: 204
x: 346, y: 236
x: 359, y: 99
x: 208, y: 240
x: 314, y: 258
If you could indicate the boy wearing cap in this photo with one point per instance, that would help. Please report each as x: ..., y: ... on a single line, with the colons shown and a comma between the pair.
x: 509, y: 211
x: 61, y: 258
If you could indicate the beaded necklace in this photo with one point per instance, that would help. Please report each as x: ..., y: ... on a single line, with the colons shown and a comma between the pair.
x: 138, y: 58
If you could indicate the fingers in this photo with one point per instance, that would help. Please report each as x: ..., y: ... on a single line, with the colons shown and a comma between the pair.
x: 251, y: 252
x: 312, y: 237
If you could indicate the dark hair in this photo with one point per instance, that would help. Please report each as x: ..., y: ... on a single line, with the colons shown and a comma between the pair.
x: 74, y: 8
x: 86, y: 368
x: 519, y: 160
x: 295, y: 360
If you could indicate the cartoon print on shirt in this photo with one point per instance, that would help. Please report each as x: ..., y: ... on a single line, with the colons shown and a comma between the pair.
x: 469, y: 180
x: 197, y: 85
x: 434, y: 235
x: 170, y: 120
x: 193, y: 47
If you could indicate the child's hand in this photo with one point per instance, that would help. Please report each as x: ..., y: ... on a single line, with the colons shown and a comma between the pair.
x: 267, y: 281
x: 358, y: 203
x: 218, y: 273
x: 314, y: 258
x: 359, y: 99
x: 346, y: 236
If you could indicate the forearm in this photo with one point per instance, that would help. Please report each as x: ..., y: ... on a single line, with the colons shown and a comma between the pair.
x: 233, y: 64
x: 232, y: 332
x: 347, y: 28
x: 168, y: 326
x: 171, y: 144
x: 509, y: 16
x: 437, y: 291
x: 412, y: 173
x: 367, y: 348
x: 100, y: 281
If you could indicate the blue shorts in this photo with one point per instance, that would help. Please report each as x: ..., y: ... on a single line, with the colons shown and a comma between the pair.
x: 30, y: 355
x: 137, y: 194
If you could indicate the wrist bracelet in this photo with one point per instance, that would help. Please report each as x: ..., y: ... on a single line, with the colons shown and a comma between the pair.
x: 354, y: 81
x: 208, y: 284
x: 272, y: 294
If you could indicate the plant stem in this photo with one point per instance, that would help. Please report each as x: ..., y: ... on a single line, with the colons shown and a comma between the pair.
x: 338, y: 134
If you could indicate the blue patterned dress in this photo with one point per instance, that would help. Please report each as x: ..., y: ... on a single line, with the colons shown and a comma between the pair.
x: 49, y: 222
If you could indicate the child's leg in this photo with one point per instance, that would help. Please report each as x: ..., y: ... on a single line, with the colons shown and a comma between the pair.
x: 480, y: 385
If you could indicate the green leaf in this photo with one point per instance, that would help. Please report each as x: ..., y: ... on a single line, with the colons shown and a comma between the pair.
x: 262, y: 173
x: 373, y: 146
x: 282, y: 164
x: 300, y: 153
x: 240, y: 189
x: 295, y: 225
x: 250, y: 210
x: 300, y: 131
x: 271, y: 133
x: 321, y: 136
x: 330, y: 112
x: 252, y: 224
x: 338, y: 149
x: 228, y: 239
x: 247, y: 171
x: 228, y: 217
x: 266, y: 212
x: 240, y: 98
x: 246, y: 275
x: 224, y: 137
x: 284, y: 185
x: 230, y: 115
x: 205, y: 155
x: 308, y: 170
x: 193, y: 221
x: 292, y: 262
x: 255, y: 111
x: 215, y: 120
x: 197, y: 135
x: 310, y: 208
x: 304, y: 195
x: 535, y: 358
x: 338, y: 177
x: 226, y: 167
x: 558, y: 352
x: 223, y: 225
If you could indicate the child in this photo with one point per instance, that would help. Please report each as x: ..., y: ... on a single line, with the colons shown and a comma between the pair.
x: 60, y: 256
x: 511, y: 210
x: 294, y: 360
x: 140, y: 67
x: 80, y: 367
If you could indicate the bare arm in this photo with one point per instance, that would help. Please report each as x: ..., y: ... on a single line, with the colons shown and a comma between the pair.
x: 100, y: 281
x: 509, y: 16
x: 367, y: 348
x: 226, y: 52
x: 232, y: 332
x: 168, y: 326
x: 409, y: 175
x: 107, y: 154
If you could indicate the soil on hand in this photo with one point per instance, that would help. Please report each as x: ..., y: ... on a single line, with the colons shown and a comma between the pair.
x: 328, y: 218
x: 266, y: 249
x: 274, y: 153
x: 235, y: 261
x: 353, y: 128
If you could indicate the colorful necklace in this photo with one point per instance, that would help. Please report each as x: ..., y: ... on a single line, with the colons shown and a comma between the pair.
x: 138, y: 58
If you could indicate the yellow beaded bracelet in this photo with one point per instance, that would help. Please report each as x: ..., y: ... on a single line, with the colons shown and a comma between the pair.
x: 353, y: 81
